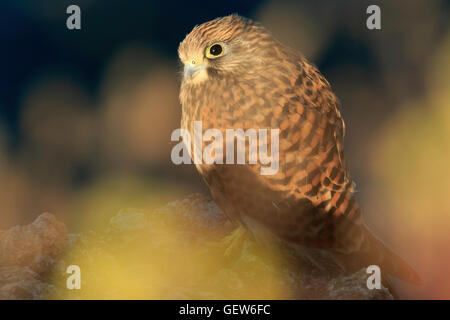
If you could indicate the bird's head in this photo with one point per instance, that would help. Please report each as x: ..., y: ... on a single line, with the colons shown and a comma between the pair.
x: 224, y: 46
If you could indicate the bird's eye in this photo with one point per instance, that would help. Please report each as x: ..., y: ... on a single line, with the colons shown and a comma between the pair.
x: 214, y: 51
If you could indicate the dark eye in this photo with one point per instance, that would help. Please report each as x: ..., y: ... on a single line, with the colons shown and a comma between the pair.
x: 215, y: 50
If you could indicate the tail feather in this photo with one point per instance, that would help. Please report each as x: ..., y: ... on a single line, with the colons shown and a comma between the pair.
x: 375, y: 252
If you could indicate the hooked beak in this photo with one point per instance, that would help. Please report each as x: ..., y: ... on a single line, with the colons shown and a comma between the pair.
x: 190, y: 69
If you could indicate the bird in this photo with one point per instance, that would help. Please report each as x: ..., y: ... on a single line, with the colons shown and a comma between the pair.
x: 237, y: 75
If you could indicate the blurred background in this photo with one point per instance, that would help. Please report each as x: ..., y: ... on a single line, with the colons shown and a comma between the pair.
x: 86, y: 115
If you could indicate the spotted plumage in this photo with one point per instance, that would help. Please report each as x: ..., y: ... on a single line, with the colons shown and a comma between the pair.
x: 257, y: 82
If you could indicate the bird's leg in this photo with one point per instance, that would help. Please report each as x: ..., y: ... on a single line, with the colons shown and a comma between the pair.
x: 232, y: 244
x: 234, y: 240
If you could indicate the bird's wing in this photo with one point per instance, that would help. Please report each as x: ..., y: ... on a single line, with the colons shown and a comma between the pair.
x: 313, y: 166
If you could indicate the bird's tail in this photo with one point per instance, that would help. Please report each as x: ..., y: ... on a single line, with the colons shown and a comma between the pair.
x: 375, y: 252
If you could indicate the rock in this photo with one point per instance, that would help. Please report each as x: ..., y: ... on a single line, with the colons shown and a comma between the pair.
x: 129, y: 219
x: 28, y: 252
x: 354, y: 286
x: 186, y: 250
x: 19, y: 283
x: 34, y: 246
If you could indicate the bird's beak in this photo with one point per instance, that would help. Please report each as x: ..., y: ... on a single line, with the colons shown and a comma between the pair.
x: 190, y: 69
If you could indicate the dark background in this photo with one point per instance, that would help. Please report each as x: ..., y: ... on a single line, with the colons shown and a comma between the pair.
x: 86, y: 115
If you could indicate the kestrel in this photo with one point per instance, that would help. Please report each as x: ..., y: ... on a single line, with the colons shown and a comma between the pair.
x: 237, y: 75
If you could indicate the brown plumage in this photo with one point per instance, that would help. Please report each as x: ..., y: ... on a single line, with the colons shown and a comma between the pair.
x: 257, y: 82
